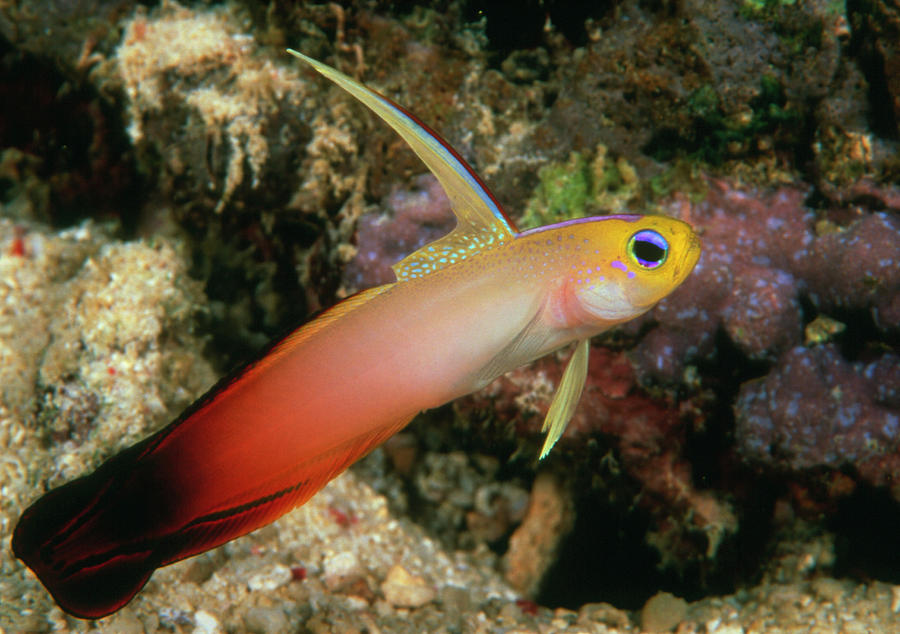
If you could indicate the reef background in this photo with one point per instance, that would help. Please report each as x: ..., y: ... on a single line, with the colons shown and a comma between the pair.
x: 175, y: 191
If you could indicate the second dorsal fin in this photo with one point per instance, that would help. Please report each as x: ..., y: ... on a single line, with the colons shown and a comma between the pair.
x: 464, y: 241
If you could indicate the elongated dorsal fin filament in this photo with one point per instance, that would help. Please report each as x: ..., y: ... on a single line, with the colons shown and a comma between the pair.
x: 481, y: 221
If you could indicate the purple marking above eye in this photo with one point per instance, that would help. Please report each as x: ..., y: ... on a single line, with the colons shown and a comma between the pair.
x: 648, y: 248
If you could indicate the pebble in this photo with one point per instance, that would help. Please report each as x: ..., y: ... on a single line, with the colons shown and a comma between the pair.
x: 604, y: 614
x: 125, y: 623
x: 405, y: 590
x: 273, y: 578
x: 341, y: 569
x: 266, y: 621
x: 456, y: 600
x: 662, y: 612
x: 206, y: 623
x: 828, y: 589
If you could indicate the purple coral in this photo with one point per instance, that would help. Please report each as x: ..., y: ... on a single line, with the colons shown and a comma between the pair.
x: 817, y: 409
x: 764, y: 255
x: 761, y: 254
x: 415, y: 218
x: 860, y: 267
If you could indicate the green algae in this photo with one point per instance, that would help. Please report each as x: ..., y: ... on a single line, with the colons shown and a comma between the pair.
x: 716, y: 136
x: 791, y: 21
x: 580, y: 186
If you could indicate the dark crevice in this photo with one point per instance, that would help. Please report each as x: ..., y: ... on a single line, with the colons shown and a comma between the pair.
x: 865, y: 48
x: 606, y: 544
x: 76, y: 140
x: 610, y: 539
x: 867, y: 529
x: 520, y: 24
x: 611, y: 535
x: 245, y: 268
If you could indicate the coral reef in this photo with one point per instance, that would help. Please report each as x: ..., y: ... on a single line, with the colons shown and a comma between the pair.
x: 123, y: 321
x: 816, y: 409
x: 61, y: 148
x: 222, y: 121
x: 283, y: 195
x: 763, y: 253
x: 97, y: 343
x: 579, y: 188
x: 196, y: 76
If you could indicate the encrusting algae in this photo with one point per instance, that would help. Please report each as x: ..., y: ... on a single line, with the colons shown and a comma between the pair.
x: 203, y: 62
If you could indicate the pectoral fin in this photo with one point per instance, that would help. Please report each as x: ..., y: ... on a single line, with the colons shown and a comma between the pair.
x: 567, y: 395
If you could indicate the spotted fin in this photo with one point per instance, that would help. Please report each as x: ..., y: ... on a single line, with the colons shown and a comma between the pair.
x: 481, y: 222
x: 568, y: 393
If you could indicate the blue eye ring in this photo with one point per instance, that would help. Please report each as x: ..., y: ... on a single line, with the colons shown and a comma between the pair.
x: 648, y: 248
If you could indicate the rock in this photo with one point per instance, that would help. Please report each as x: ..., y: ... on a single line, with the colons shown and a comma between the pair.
x: 273, y: 578
x: 604, y: 614
x: 533, y: 546
x: 206, y: 623
x: 402, y: 589
x: 341, y: 570
x: 266, y: 621
x: 662, y: 612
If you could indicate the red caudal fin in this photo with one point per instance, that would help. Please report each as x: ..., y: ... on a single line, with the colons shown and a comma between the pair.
x: 70, y: 538
x: 95, y: 541
x: 258, y: 444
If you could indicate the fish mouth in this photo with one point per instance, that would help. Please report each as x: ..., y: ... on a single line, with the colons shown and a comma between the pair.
x: 691, y: 257
x: 686, y: 263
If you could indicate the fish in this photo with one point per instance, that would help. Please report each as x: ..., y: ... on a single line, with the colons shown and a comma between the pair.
x: 466, y: 308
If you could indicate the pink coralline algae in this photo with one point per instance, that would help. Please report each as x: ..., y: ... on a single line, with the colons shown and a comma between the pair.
x: 761, y: 255
x: 817, y: 409
x: 415, y: 218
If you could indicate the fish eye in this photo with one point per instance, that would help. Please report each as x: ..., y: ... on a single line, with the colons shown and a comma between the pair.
x: 648, y: 248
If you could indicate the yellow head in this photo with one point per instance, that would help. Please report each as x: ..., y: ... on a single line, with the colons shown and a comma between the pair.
x: 610, y: 269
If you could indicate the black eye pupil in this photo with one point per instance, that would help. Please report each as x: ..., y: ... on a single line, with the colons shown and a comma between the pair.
x: 648, y: 252
x: 648, y: 248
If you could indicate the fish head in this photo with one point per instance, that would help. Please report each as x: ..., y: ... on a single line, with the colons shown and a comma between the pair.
x: 626, y: 264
